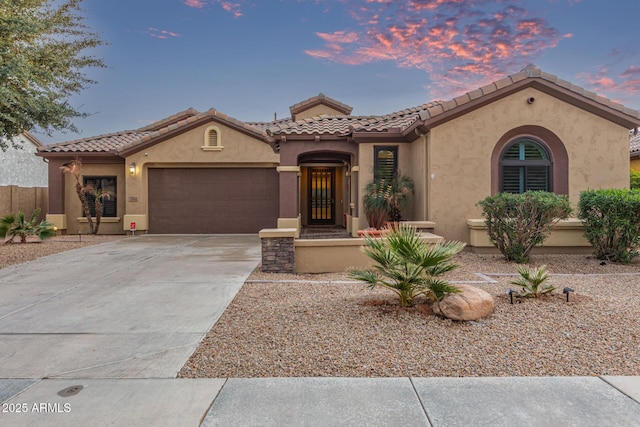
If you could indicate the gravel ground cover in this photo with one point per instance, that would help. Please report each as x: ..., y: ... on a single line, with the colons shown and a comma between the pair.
x: 326, y: 325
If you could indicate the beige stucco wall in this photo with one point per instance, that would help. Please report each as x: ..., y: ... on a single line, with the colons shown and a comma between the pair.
x: 317, y: 111
x: 185, y: 150
x: 459, y: 154
x: 75, y: 219
x: 635, y: 164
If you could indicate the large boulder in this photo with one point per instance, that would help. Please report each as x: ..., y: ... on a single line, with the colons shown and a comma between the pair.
x: 470, y: 304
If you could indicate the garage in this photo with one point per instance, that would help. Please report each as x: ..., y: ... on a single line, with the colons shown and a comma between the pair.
x: 212, y: 201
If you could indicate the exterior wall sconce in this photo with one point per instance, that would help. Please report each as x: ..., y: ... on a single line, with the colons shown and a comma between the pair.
x: 132, y: 168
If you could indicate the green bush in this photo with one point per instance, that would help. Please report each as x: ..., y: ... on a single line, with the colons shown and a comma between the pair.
x: 518, y: 222
x: 532, y: 281
x: 409, y: 266
x: 634, y: 179
x: 612, y: 223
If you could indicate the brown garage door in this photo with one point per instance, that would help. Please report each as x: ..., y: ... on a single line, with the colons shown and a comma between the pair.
x: 187, y: 201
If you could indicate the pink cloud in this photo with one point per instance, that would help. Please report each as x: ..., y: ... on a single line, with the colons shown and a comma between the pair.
x: 339, y: 37
x: 455, y: 41
x: 616, y: 79
x: 161, y: 34
x: 198, y: 4
x: 235, y: 8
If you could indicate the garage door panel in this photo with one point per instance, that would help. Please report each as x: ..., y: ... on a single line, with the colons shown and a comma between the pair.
x: 212, y: 200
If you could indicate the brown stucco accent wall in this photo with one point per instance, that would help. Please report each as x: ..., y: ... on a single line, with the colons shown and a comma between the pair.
x: 72, y: 203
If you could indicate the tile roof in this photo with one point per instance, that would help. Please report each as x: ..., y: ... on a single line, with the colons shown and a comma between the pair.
x: 339, y: 125
x: 96, y: 144
x: 320, y: 99
x: 634, y: 140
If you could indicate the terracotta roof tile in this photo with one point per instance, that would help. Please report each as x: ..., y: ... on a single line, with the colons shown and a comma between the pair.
x: 475, y: 94
x: 461, y: 100
x: 320, y: 98
x: 503, y: 83
x: 189, y: 112
x: 634, y: 142
x: 487, y: 89
x: 101, y: 143
x: 515, y: 78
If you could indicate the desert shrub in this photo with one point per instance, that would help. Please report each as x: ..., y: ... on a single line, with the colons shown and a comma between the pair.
x: 18, y: 226
x: 518, y: 222
x: 409, y: 266
x: 634, y: 179
x: 532, y: 281
x: 612, y: 223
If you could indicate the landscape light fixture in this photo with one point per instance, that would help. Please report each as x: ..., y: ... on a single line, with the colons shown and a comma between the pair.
x: 566, y: 291
x: 511, y: 292
x: 132, y: 168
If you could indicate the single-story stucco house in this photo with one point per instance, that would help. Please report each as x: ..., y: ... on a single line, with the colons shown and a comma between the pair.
x: 206, y: 172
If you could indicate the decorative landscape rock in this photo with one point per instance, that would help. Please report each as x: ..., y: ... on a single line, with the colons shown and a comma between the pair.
x: 470, y: 304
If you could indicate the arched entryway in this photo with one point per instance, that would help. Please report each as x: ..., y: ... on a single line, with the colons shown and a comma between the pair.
x: 325, y: 188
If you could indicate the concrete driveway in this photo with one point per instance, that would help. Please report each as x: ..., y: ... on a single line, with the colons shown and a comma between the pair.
x: 133, y: 308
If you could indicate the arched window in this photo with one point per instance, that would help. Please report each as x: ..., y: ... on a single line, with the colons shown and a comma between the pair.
x: 385, y: 162
x: 212, y: 140
x: 525, y: 164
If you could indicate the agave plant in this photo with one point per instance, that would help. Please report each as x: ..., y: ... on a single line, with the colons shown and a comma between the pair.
x: 17, y: 225
x: 409, y: 266
x: 532, y: 281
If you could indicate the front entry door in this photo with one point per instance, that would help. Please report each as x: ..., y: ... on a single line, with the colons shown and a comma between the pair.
x: 322, y: 196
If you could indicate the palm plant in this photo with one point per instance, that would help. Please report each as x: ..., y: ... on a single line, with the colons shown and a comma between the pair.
x: 532, y: 281
x: 401, y: 187
x: 384, y: 198
x: 409, y: 266
x: 98, y: 195
x: 74, y: 169
x: 375, y: 202
x: 17, y: 225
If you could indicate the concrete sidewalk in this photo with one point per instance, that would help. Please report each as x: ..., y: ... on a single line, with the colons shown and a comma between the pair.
x: 438, y: 402
x: 96, y: 336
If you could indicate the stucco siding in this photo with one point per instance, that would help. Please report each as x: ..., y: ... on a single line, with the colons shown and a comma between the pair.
x: 21, y: 167
x: 460, y: 154
x: 185, y: 150
x: 635, y: 164
x: 73, y: 208
x: 317, y: 111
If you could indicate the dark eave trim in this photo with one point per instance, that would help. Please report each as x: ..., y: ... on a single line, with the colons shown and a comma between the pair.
x: 549, y: 88
x: 170, y: 133
x: 80, y: 154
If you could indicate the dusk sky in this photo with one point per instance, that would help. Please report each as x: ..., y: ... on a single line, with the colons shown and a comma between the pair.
x: 251, y: 59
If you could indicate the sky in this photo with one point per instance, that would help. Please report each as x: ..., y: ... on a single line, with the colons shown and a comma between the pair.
x: 253, y: 59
